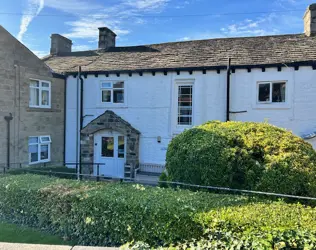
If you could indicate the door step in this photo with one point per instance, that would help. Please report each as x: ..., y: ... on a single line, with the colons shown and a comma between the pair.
x: 128, y: 173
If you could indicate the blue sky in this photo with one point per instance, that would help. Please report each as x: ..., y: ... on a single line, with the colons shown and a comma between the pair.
x: 147, y: 21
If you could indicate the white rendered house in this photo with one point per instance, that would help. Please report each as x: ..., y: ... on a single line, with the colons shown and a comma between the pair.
x: 125, y: 104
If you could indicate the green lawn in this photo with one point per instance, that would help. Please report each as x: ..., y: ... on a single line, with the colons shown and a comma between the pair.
x: 18, y: 234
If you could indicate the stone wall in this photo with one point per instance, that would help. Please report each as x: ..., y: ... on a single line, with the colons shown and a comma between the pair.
x: 109, y: 121
x: 17, y: 66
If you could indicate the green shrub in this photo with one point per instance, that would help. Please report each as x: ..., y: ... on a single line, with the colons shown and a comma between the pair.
x: 254, y: 226
x: 247, y: 155
x: 111, y: 214
x: 92, y: 213
x: 60, y: 172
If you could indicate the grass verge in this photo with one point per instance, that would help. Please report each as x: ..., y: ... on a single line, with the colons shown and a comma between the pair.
x: 12, y: 233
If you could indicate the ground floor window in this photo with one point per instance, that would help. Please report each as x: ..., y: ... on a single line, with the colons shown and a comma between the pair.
x: 39, y: 149
x: 271, y: 92
x: 185, y: 105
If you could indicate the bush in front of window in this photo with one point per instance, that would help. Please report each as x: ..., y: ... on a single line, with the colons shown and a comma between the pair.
x: 247, y: 155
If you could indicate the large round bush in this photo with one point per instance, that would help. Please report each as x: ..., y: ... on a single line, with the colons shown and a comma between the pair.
x: 247, y: 155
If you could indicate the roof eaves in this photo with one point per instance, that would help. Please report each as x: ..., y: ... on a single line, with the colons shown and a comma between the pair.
x: 198, y: 68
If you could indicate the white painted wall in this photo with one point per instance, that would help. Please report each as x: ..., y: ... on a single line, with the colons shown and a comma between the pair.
x: 150, y: 104
x: 297, y: 115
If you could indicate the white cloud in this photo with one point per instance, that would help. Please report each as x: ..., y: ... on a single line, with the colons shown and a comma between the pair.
x: 270, y: 24
x: 33, y: 8
x: 261, y: 26
x: 146, y: 4
x: 90, y: 15
x: 86, y: 28
x: 186, y: 38
x: 201, y: 36
x: 114, y: 17
x: 81, y: 47
x: 40, y: 53
x: 182, y: 5
x: 72, y: 6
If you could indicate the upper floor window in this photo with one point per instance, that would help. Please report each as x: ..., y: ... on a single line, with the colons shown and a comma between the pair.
x: 39, y: 149
x: 40, y: 94
x: 112, y: 92
x: 185, y: 104
x: 271, y: 92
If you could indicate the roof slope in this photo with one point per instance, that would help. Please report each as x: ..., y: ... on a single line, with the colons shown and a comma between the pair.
x: 200, y: 53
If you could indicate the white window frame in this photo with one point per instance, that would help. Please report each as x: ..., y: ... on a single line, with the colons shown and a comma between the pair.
x: 270, y: 94
x: 40, y: 142
x: 111, y: 89
x: 41, y: 88
x: 178, y: 84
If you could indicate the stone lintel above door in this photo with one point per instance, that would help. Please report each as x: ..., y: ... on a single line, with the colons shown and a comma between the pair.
x: 112, y: 122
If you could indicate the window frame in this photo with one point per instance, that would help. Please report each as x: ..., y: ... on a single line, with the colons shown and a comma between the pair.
x: 40, y: 143
x: 185, y: 83
x: 41, y: 89
x: 112, y: 89
x: 271, y: 91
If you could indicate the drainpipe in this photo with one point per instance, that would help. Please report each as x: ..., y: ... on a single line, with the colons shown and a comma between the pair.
x: 8, y: 119
x: 228, y: 90
x: 77, y: 125
x: 65, y: 117
x: 81, y: 118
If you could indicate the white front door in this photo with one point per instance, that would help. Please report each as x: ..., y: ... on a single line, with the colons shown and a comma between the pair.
x: 110, y: 149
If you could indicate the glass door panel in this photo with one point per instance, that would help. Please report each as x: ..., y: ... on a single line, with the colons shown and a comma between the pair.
x: 107, y: 147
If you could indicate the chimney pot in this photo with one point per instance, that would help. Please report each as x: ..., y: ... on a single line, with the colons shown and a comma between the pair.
x: 310, y: 20
x: 59, y: 44
x: 106, y: 38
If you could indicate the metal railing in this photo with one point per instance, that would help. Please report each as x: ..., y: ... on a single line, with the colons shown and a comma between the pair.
x: 41, y: 170
x: 90, y: 168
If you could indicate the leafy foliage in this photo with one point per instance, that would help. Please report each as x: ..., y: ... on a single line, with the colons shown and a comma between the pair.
x: 93, y: 213
x: 252, y: 226
x: 60, y: 172
x: 247, y: 155
x: 111, y: 214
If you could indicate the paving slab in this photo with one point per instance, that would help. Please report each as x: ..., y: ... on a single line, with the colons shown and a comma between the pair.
x: 17, y: 246
x: 93, y: 248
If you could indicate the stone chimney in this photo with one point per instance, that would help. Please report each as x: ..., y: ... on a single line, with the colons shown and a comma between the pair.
x: 59, y: 44
x: 310, y: 20
x: 106, y: 38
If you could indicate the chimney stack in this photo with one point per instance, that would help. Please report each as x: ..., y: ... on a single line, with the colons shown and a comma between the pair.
x: 59, y: 44
x: 310, y: 20
x: 106, y: 38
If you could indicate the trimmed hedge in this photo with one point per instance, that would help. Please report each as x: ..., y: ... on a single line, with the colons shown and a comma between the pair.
x: 60, y: 172
x: 253, y: 226
x: 246, y: 155
x: 109, y: 214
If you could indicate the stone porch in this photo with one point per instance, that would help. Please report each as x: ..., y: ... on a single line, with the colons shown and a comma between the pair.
x: 111, y: 122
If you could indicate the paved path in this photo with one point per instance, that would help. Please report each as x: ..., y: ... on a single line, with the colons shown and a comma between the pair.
x: 17, y: 246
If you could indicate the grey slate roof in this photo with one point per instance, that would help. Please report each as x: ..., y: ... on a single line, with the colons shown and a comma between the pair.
x: 200, y: 53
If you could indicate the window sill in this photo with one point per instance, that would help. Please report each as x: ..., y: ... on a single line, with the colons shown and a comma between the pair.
x: 39, y: 162
x: 112, y: 106
x: 272, y: 106
x: 33, y: 109
x: 180, y: 129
